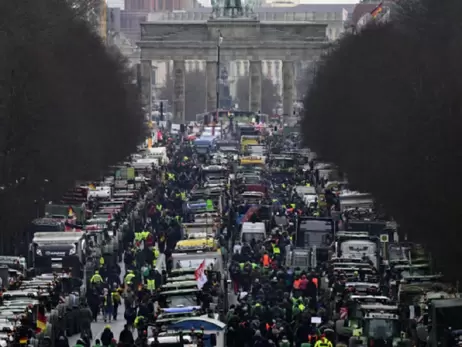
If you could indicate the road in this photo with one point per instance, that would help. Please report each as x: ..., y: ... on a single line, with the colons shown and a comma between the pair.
x: 117, y: 326
x: 97, y: 328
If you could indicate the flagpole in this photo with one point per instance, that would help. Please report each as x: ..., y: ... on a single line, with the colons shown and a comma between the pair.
x: 219, y: 42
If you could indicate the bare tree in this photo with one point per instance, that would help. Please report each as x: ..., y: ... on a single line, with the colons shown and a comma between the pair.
x: 269, y: 94
x: 89, y: 10
x: 385, y: 105
x: 65, y: 103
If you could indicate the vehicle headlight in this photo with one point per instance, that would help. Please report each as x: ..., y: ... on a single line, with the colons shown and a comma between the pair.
x: 72, y: 251
x: 39, y: 252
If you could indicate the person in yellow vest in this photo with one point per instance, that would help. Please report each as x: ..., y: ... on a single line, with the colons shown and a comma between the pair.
x: 276, y: 251
x: 101, y: 262
x: 116, y: 300
x: 323, y: 342
x: 139, y: 324
x: 151, y: 284
x: 129, y: 277
x: 156, y: 252
x: 96, y: 278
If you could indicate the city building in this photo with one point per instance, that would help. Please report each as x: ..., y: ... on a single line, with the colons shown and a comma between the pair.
x: 136, y: 12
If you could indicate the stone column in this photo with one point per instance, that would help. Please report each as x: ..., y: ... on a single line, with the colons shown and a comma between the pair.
x: 288, y: 88
x: 211, y: 85
x: 146, y: 83
x: 255, y: 85
x: 178, y: 91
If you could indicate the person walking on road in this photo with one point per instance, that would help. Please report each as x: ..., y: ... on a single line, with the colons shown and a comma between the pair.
x: 108, y: 305
x: 126, y: 336
x: 107, y: 336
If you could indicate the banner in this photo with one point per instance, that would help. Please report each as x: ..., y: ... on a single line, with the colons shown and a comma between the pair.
x: 201, y: 277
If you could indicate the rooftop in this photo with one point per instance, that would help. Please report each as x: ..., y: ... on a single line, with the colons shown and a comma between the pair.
x: 298, y: 8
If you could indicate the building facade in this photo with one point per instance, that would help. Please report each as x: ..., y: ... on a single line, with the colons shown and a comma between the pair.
x: 334, y: 16
x: 136, y: 12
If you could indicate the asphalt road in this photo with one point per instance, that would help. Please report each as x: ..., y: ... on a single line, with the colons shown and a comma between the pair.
x: 118, y: 325
x: 98, y: 327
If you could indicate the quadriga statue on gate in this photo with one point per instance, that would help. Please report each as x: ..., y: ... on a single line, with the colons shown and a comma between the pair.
x: 233, y: 9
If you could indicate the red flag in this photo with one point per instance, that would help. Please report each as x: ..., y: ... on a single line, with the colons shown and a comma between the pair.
x: 200, y: 275
x: 375, y: 12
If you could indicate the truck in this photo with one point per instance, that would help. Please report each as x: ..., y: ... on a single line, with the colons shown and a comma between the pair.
x: 58, y: 252
x: 315, y: 235
x: 75, y: 213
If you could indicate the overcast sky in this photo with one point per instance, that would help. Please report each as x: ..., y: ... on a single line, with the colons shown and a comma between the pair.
x: 120, y: 3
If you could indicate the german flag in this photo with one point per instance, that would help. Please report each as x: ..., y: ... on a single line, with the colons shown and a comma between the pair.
x: 23, y: 340
x: 41, y: 319
x: 375, y: 12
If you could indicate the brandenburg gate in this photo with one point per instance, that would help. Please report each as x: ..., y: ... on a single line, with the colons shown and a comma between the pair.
x: 243, y: 38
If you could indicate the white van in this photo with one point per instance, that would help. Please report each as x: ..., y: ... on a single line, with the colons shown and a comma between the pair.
x: 251, y: 231
x: 159, y: 153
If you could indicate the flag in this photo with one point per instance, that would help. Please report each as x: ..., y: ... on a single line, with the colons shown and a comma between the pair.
x: 23, y: 340
x: 375, y: 12
x: 386, y: 16
x: 199, y: 274
x: 41, y: 319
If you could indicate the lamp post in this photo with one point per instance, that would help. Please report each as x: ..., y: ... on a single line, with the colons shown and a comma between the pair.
x: 219, y: 42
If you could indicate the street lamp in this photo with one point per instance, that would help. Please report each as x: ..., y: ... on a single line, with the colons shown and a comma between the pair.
x: 219, y: 42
